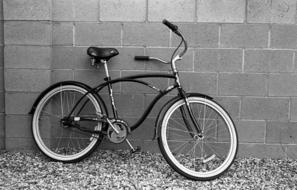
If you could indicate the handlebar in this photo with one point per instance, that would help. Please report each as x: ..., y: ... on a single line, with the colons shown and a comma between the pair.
x: 148, y: 58
x: 173, y: 28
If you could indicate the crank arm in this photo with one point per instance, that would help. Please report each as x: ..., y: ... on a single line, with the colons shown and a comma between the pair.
x: 113, y: 127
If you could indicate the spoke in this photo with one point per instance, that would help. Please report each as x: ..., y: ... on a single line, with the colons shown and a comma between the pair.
x: 180, y: 124
x: 69, y: 142
x: 61, y: 96
x: 177, y: 134
x: 179, y: 147
x: 50, y: 114
x: 216, y: 153
x: 174, y: 129
x: 203, y: 125
x: 201, y: 148
x: 211, y: 121
x: 67, y: 101
x: 181, y: 140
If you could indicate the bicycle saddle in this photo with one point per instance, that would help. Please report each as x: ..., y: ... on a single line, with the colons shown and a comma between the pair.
x: 102, y: 53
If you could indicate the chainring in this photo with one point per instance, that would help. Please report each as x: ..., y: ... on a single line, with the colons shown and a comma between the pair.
x: 123, y: 129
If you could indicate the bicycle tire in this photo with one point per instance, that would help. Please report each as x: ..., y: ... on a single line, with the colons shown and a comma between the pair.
x: 60, y: 143
x: 175, y: 140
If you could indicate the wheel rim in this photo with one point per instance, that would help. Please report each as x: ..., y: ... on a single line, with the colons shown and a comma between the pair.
x: 182, y: 149
x: 71, y: 144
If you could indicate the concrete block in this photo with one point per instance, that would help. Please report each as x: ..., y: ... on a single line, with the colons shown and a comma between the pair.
x: 284, y: 36
x: 125, y: 59
x: 268, y: 61
x: 145, y: 34
x: 18, y: 126
x: 251, y: 131
x: 80, y: 59
x: 86, y: 10
x: 61, y: 75
x: 175, y: 11
x: 2, y: 79
x: 259, y: 11
x: 2, y: 130
x: 19, y: 143
x: 282, y: 84
x: 244, y: 35
x: 130, y: 105
x: 242, y: 84
x: 284, y: 11
x: 27, y: 33
x: 198, y: 35
x: 205, y: 83
x: 1, y: 56
x: 281, y: 133
x: 19, y: 103
x: 1, y: 33
x: 27, y: 9
x: 1, y: 11
x: 136, y: 88
x: 293, y: 109
x: 221, y: 11
x: 63, y: 10
x: 145, y: 131
x: 276, y: 109
x: 35, y: 57
x: 28, y: 80
x: 274, y: 11
x: 261, y: 151
x: 123, y: 10
x: 62, y: 33
x: 292, y: 151
x: 102, y: 34
x: 2, y: 103
x: 95, y: 77
x: 231, y: 105
x: 218, y: 60
x: 63, y: 57
x: 186, y: 64
x: 157, y: 107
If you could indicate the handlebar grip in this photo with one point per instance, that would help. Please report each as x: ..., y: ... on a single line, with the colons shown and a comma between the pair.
x: 142, y: 58
x: 173, y: 27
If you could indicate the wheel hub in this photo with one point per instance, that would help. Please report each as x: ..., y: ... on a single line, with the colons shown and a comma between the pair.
x: 198, y: 137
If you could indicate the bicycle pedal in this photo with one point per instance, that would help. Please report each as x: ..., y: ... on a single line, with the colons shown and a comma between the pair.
x: 137, y: 149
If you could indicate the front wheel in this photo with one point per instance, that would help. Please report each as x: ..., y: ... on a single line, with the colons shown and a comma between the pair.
x: 197, y: 156
x: 63, y: 142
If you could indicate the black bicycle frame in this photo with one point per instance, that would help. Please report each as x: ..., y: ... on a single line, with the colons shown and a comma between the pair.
x: 134, y: 78
x: 161, y: 93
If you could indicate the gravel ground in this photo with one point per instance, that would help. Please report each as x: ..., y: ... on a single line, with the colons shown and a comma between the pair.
x: 121, y: 170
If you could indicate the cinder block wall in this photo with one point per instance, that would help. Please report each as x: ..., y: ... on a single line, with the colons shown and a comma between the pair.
x: 241, y: 52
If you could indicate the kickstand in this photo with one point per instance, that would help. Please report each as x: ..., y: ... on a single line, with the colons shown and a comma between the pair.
x: 133, y: 150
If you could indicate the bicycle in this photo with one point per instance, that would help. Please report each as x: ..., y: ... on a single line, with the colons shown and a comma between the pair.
x: 196, y: 136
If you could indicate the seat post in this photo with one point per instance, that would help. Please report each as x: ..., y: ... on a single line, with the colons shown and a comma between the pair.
x: 106, y: 68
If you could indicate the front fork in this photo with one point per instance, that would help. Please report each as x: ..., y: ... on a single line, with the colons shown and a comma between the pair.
x: 197, y: 129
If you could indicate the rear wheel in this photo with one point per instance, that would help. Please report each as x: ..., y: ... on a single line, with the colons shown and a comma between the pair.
x: 63, y: 142
x: 195, y: 156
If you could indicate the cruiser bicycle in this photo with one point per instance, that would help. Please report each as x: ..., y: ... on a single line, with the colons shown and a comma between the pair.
x: 196, y: 136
